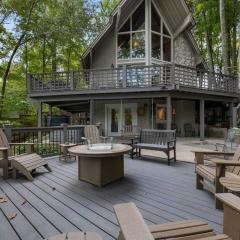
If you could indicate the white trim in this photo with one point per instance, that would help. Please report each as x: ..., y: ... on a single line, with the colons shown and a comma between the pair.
x: 161, y: 34
x: 162, y: 18
x: 130, y: 60
x: 130, y: 16
x: 109, y: 25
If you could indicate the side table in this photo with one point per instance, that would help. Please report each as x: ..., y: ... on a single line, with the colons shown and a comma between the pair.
x: 130, y: 142
x: 64, y: 154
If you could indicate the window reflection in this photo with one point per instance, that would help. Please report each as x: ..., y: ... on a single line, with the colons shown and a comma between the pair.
x: 161, y: 113
x: 166, y: 49
x: 128, y: 116
x: 161, y: 40
x: 156, y: 46
x: 131, y: 36
x: 124, y: 46
x: 138, y: 45
x: 138, y: 18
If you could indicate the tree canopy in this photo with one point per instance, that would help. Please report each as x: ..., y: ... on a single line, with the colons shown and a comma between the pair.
x: 51, y: 35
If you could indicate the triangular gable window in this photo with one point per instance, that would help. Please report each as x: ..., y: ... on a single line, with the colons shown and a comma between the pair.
x: 161, y: 38
x: 131, y: 36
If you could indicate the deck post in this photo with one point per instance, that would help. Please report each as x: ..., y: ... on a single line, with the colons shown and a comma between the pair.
x: 39, y: 114
x: 71, y: 80
x: 8, y: 131
x: 65, y: 132
x: 124, y: 83
x: 234, y: 116
x: 91, y: 111
x: 202, y: 120
x: 169, y: 112
x: 152, y: 112
x: 29, y: 83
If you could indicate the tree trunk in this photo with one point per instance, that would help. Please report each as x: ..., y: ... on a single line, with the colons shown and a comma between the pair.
x: 44, y: 54
x: 68, y: 60
x: 208, y: 37
x: 54, y: 57
x: 4, y: 79
x: 224, y: 37
x: 234, y: 39
x: 26, y: 59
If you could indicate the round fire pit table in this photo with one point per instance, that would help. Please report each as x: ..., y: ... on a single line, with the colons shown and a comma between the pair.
x: 100, y: 166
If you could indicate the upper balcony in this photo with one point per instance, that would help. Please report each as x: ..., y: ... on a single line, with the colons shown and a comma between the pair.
x: 132, y: 79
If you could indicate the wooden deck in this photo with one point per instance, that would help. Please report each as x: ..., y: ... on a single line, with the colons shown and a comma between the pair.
x: 57, y: 202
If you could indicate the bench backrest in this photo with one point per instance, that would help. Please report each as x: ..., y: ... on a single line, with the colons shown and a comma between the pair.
x: 131, y: 222
x: 153, y: 136
x: 236, y: 157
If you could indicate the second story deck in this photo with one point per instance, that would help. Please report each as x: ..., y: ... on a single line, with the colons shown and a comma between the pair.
x: 165, y: 77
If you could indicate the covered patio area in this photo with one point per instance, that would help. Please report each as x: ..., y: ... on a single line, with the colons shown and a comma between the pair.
x: 58, y: 202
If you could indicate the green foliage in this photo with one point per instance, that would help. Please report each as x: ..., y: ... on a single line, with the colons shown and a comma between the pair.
x: 212, y: 25
x: 55, y: 35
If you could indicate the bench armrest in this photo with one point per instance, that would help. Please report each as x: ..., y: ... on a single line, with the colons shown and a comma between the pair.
x: 199, y: 155
x: 226, y: 162
x: 103, y: 137
x: 2, y: 149
x: 214, y: 153
x: 131, y: 223
x: 171, y: 141
x: 230, y: 200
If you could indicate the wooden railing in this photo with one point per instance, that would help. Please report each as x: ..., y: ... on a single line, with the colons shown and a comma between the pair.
x: 165, y: 75
x: 46, y: 139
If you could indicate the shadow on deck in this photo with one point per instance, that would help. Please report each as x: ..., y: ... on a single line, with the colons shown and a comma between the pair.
x: 57, y: 202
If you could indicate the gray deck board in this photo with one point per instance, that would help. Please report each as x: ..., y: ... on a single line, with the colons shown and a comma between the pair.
x: 58, y: 202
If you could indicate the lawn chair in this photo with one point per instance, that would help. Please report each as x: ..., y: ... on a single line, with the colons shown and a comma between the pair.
x: 91, y: 133
x: 133, y: 227
x: 229, y: 144
x: 25, y: 163
x: 214, y: 178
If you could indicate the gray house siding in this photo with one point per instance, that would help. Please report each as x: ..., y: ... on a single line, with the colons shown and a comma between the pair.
x: 183, y: 52
x: 105, y: 55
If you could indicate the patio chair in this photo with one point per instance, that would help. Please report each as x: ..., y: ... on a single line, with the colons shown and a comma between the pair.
x: 25, y: 163
x: 229, y: 143
x: 133, y: 227
x: 225, y: 173
x: 188, y: 130
x: 91, y: 133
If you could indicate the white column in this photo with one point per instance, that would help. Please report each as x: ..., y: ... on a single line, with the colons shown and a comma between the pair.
x: 169, y: 112
x: 148, y: 31
x: 202, y: 119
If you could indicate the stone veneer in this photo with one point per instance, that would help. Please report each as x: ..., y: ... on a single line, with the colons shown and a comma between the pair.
x: 183, y: 53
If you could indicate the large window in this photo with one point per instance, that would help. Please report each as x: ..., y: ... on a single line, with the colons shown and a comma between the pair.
x: 131, y: 36
x: 161, y: 38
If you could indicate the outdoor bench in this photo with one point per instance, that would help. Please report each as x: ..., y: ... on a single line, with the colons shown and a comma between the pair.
x: 157, y: 140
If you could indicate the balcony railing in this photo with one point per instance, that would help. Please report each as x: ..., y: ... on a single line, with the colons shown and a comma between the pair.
x: 166, y: 76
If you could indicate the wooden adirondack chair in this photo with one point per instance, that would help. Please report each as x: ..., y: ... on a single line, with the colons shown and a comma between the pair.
x: 133, y: 227
x: 25, y: 163
x: 226, y: 172
x: 91, y: 133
